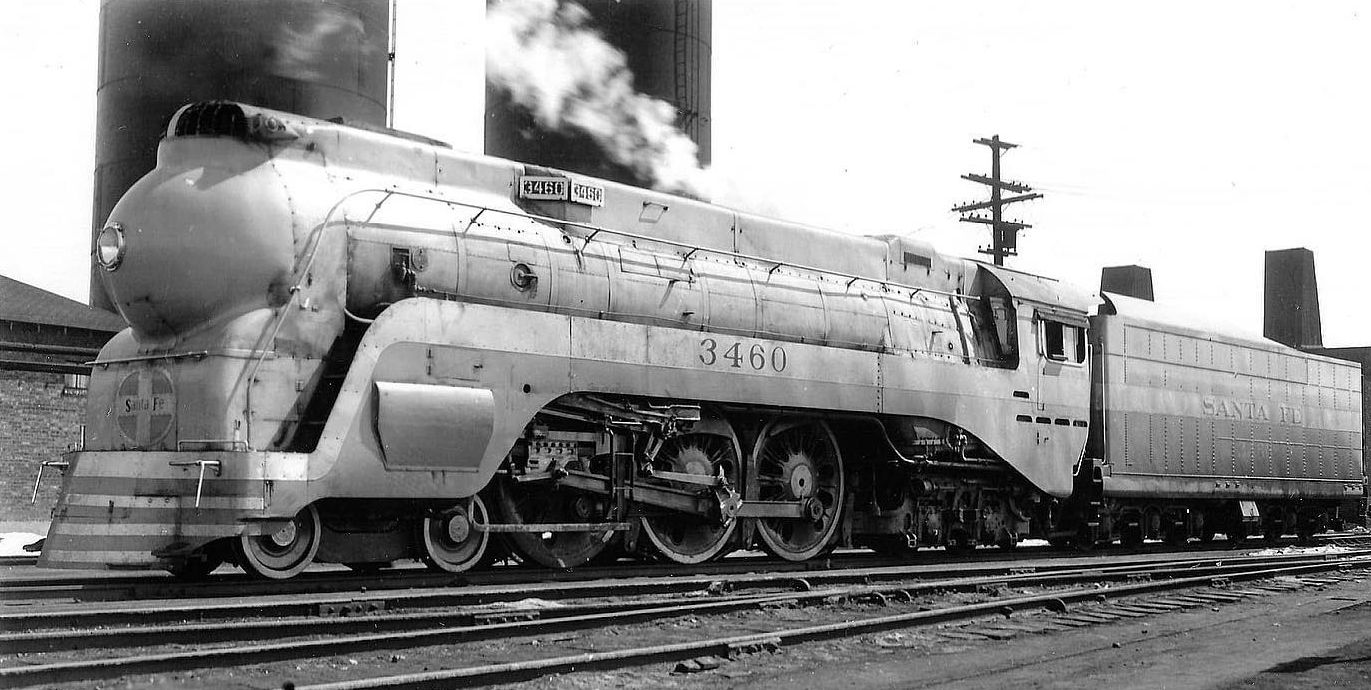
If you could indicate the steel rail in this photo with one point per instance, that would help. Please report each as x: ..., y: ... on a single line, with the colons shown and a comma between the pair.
x: 296, y: 605
x: 363, y: 619
x: 235, y: 656
x: 474, y: 622
x: 164, y: 586
x: 237, y: 584
x: 727, y: 646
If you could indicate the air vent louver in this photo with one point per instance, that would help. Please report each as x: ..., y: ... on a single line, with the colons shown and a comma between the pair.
x: 213, y: 118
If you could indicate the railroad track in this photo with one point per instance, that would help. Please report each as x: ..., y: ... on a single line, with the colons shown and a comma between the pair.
x: 612, y: 583
x: 25, y: 588
x: 34, y: 588
x: 35, y: 656
x: 1099, y: 606
x: 1351, y: 540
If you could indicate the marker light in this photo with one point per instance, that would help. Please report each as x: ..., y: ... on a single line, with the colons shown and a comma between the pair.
x: 109, y: 246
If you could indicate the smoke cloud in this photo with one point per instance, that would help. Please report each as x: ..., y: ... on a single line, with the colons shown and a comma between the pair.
x: 550, y: 62
x: 319, y: 46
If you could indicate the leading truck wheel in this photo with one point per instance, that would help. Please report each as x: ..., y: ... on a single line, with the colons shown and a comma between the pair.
x: 284, y: 553
x: 711, y: 448
x: 451, y: 544
x: 798, y: 461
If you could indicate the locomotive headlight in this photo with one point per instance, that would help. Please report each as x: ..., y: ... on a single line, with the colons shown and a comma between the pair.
x: 109, y: 246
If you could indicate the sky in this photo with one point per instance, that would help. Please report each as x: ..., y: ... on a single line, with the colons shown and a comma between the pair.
x: 1188, y: 137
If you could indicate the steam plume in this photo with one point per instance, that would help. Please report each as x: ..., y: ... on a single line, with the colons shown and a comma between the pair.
x: 319, y: 45
x: 569, y: 78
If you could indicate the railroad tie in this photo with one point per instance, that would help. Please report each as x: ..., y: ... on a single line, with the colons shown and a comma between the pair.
x: 1140, y: 609
x: 994, y: 632
x: 961, y: 635
x: 1034, y: 627
x: 1087, y: 618
x: 1122, y: 612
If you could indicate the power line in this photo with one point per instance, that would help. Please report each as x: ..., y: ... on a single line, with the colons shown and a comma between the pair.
x: 1004, y: 234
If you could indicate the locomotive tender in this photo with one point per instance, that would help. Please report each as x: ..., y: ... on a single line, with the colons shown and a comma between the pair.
x: 358, y: 346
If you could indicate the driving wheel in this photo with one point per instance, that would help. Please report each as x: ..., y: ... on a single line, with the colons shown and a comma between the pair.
x: 539, y: 502
x: 711, y: 448
x: 797, y: 460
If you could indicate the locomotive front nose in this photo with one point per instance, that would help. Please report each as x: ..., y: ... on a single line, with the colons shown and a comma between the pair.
x: 191, y: 245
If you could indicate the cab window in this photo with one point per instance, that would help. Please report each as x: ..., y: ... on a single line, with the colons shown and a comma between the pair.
x: 1063, y: 342
x: 994, y: 319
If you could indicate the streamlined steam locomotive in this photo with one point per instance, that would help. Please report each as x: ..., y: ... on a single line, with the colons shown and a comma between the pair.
x: 358, y: 346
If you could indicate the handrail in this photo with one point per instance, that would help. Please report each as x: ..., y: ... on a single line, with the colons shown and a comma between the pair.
x: 197, y: 354
x: 311, y: 250
x: 596, y: 230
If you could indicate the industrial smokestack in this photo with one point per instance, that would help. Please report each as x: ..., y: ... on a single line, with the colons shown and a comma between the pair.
x: 1130, y: 281
x: 319, y: 59
x: 1292, y: 299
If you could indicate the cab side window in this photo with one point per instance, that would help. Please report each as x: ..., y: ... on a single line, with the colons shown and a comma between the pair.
x: 1063, y: 342
x: 995, y: 321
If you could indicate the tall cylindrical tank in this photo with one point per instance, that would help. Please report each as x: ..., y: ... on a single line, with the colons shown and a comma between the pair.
x: 322, y: 58
x: 668, y: 48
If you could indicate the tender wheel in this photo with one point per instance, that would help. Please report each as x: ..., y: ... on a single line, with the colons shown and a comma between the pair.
x: 1086, y: 538
x: 798, y: 460
x: 284, y: 553
x: 1175, y: 534
x: 1007, y: 540
x: 1272, y: 530
x: 531, y: 503
x: 450, y: 542
x: 710, y: 448
x: 1131, y: 536
x: 1237, y: 535
x: 959, y: 540
x: 1306, y: 526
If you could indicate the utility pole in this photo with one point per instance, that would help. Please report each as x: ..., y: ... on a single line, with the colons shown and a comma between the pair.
x: 1003, y: 233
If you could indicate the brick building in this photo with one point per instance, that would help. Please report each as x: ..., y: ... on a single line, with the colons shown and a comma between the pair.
x: 45, y: 340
